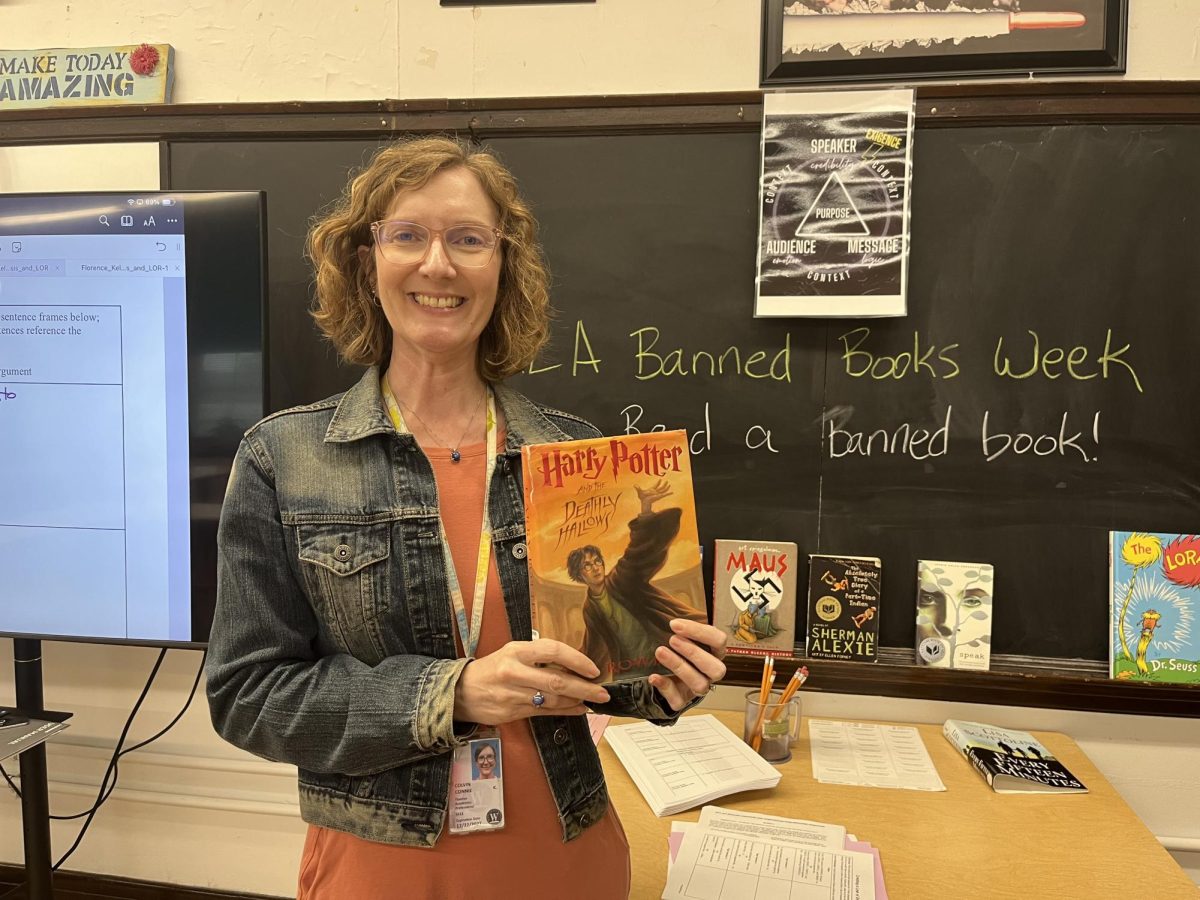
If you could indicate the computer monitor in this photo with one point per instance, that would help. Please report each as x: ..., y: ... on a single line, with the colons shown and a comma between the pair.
x: 131, y: 361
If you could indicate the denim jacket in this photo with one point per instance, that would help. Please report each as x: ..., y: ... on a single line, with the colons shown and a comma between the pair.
x: 333, y: 644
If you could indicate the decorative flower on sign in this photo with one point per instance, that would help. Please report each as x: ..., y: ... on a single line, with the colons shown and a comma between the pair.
x: 144, y: 60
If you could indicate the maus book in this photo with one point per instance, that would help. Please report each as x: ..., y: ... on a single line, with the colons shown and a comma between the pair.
x: 754, y: 596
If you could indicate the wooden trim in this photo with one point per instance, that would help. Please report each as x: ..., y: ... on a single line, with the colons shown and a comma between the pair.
x: 87, y: 886
x: 1077, y: 684
x: 1043, y: 102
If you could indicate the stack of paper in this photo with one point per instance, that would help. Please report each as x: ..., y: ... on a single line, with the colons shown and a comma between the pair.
x: 690, y: 763
x: 729, y: 855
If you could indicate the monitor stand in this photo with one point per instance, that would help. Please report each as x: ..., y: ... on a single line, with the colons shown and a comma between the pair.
x: 35, y: 796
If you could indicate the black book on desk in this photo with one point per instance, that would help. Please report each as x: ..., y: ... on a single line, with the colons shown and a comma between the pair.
x: 19, y: 731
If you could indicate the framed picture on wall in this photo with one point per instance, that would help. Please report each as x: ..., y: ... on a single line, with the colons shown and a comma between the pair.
x: 813, y: 41
x: 508, y: 2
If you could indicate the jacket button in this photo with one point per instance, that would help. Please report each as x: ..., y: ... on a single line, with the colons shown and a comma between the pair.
x: 583, y: 820
x: 560, y: 736
x: 520, y: 551
x: 342, y: 552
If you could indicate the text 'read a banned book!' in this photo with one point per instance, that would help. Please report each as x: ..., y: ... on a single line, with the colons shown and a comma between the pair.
x: 614, y: 551
x: 833, y: 203
x: 1012, y: 762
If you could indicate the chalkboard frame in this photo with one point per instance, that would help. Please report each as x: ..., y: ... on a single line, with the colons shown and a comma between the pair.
x: 1016, y: 681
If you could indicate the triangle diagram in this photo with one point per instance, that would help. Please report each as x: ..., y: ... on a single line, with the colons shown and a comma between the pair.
x: 832, y: 213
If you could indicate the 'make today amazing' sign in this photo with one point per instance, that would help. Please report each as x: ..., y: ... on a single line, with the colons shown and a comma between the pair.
x: 87, y: 76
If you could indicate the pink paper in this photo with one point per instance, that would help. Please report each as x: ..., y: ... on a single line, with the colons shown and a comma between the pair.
x: 673, y: 842
x: 864, y: 847
x: 596, y: 724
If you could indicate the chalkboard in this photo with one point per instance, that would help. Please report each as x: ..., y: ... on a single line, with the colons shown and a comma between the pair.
x: 1051, y: 296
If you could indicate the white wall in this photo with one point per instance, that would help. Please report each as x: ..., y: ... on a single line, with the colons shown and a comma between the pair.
x: 312, y: 50
x: 193, y: 810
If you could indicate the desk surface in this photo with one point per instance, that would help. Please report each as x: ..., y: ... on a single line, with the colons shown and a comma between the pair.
x: 966, y: 842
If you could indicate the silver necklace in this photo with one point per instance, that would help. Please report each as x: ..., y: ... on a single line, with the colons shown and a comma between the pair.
x: 455, y: 455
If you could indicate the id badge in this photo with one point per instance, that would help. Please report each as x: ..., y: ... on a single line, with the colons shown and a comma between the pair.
x: 477, y: 785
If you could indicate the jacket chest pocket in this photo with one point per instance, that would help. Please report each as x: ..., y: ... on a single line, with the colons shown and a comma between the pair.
x: 345, y: 569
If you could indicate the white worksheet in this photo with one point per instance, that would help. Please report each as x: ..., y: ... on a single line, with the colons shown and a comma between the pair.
x: 733, y: 855
x: 871, y: 755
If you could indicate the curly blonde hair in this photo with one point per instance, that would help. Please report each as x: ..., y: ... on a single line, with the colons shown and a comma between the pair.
x: 345, y: 310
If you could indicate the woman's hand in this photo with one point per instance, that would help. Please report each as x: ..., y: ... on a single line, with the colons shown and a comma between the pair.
x: 694, y: 653
x: 500, y: 687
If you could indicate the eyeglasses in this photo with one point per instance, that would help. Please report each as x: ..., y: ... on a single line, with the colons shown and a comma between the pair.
x: 405, y: 243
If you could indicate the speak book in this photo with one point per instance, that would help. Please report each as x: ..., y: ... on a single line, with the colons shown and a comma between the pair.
x: 754, y: 596
x: 954, y: 614
x: 1154, y: 595
x: 1012, y: 762
x: 688, y: 764
x: 843, y: 607
x: 614, y: 553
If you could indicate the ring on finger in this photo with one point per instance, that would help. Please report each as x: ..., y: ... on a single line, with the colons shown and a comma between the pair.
x: 538, y: 698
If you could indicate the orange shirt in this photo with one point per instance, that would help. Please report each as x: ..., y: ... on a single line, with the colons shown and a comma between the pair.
x: 527, y: 858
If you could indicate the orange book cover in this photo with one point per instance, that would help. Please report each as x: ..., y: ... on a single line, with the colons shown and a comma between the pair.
x: 614, y: 551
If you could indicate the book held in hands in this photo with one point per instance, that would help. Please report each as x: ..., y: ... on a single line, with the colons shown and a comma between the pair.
x: 843, y: 607
x: 754, y: 596
x: 1012, y: 762
x: 614, y: 553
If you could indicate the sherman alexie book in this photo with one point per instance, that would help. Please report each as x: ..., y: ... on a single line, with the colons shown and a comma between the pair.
x: 614, y: 552
x: 754, y: 596
x: 843, y: 607
x: 1012, y: 762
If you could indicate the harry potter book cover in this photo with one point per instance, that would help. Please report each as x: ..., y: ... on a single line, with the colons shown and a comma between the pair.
x: 614, y: 552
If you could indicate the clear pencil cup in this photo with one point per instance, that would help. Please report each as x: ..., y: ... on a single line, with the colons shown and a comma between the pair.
x: 777, y: 728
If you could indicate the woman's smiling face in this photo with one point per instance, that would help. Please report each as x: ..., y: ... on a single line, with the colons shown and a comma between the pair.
x: 485, y: 759
x: 437, y: 309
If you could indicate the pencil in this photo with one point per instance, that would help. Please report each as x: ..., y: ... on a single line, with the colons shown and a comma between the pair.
x: 756, y: 742
x: 764, y: 686
x: 794, y: 684
x: 764, y: 694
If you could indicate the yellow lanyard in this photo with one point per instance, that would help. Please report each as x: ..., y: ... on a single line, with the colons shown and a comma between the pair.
x: 469, y: 635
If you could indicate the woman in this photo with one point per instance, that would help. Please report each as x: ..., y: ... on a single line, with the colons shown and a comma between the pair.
x: 373, y: 610
x: 485, y: 761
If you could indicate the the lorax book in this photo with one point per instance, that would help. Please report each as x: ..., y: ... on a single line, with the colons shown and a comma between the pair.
x: 614, y: 552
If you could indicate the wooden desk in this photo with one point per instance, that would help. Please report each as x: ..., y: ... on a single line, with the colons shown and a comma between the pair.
x: 966, y: 842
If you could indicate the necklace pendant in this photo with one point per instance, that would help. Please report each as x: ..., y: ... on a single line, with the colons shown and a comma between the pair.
x: 455, y: 456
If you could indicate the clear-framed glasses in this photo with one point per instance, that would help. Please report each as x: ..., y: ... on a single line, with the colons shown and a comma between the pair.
x: 404, y: 243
